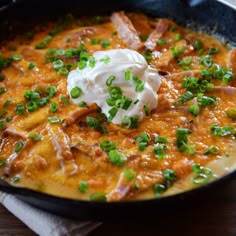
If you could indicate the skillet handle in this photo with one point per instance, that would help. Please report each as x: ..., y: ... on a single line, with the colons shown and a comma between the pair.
x: 193, y: 3
x: 5, y: 4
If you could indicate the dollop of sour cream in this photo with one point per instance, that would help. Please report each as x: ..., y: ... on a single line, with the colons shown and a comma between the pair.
x: 119, y: 81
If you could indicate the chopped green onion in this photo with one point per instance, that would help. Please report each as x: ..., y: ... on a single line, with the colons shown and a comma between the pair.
x: 16, y: 57
x: 194, y: 109
x: 177, y: 37
x: 83, y: 186
x: 182, y: 138
x: 128, y: 75
x: 75, y: 92
x: 107, y: 145
x: 129, y: 174
x: 112, y: 113
x: 148, y: 55
x: 159, y: 152
x: 44, y: 43
x: 8, y: 118
x: 116, y: 158
x: 206, y: 61
x: 98, y: 197
x: 95, y: 40
x: 35, y: 136
x: 9, y: 100
x: 54, y: 119
x: 146, y: 109
x: 51, y: 91
x: 2, y: 124
x: 206, y: 101
x: 106, y: 60
x: 63, y: 71
x: 3, y: 162
x: 3, y: 90
x: 105, y: 43
x: 203, y: 174
x: 126, y: 103
x: 64, y: 100
x: 159, y: 189
x: 212, y: 150
x: 161, y: 41
x: 19, y: 146
x: 82, y: 65
x: 53, y: 107
x: 57, y: 64
x: 15, y: 179
x: 222, y: 131
x: 187, y: 96
x: 143, y: 139
x: 31, y: 65
x: 92, y: 122
x: 129, y: 122
x: 231, y: 114
x: 197, y: 44
x: 160, y: 139
x: 82, y: 104
x: 20, y: 109
x: 31, y: 106
x: 110, y: 80
x: 115, y: 92
x: 43, y: 102
x: 143, y: 37
x: 170, y: 176
x: 213, y: 51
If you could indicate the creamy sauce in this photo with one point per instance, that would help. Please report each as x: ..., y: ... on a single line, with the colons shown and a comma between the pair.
x: 92, y: 82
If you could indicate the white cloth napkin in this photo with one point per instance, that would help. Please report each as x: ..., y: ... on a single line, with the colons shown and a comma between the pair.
x: 44, y: 223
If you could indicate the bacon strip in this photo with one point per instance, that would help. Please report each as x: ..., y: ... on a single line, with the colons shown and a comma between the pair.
x: 126, y: 30
x: 63, y: 150
x: 161, y: 27
x: 78, y: 113
x: 121, y: 190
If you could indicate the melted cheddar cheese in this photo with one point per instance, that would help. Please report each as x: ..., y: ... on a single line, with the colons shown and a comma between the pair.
x: 49, y: 144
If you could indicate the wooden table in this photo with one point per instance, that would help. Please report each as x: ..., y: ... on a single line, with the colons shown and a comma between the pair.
x: 215, y: 215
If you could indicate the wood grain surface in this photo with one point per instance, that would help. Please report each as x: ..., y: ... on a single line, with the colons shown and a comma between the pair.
x: 213, y: 214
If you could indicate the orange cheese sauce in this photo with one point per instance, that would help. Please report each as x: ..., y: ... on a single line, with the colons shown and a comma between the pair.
x: 68, y: 152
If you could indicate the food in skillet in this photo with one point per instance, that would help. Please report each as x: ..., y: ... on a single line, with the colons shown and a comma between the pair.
x: 116, y: 108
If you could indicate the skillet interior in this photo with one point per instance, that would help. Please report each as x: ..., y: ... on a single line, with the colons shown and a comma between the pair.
x: 221, y: 16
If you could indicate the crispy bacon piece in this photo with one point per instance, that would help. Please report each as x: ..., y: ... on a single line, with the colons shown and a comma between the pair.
x: 161, y: 28
x: 63, y: 151
x: 227, y: 90
x: 126, y: 30
x: 121, y: 190
x: 231, y: 63
x: 78, y: 113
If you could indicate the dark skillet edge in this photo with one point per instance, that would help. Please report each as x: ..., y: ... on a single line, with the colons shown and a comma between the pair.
x: 117, y: 211
x: 86, y: 210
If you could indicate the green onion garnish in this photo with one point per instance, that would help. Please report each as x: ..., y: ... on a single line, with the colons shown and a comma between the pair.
x: 19, y: 146
x: 98, y: 197
x: 35, y: 136
x: 53, y: 107
x: 92, y: 122
x: 194, y: 109
x: 107, y: 145
x: 83, y: 186
x: 20, y: 109
x: 159, y: 189
x: 129, y: 174
x: 222, y: 131
x: 116, y: 158
x: 75, y: 92
x: 105, y: 43
x: 231, y: 114
x: 31, y: 65
x: 54, y: 120
x: 212, y: 150
x: 51, y: 91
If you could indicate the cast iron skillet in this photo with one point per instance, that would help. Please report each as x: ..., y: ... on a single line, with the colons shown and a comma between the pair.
x: 209, y: 14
